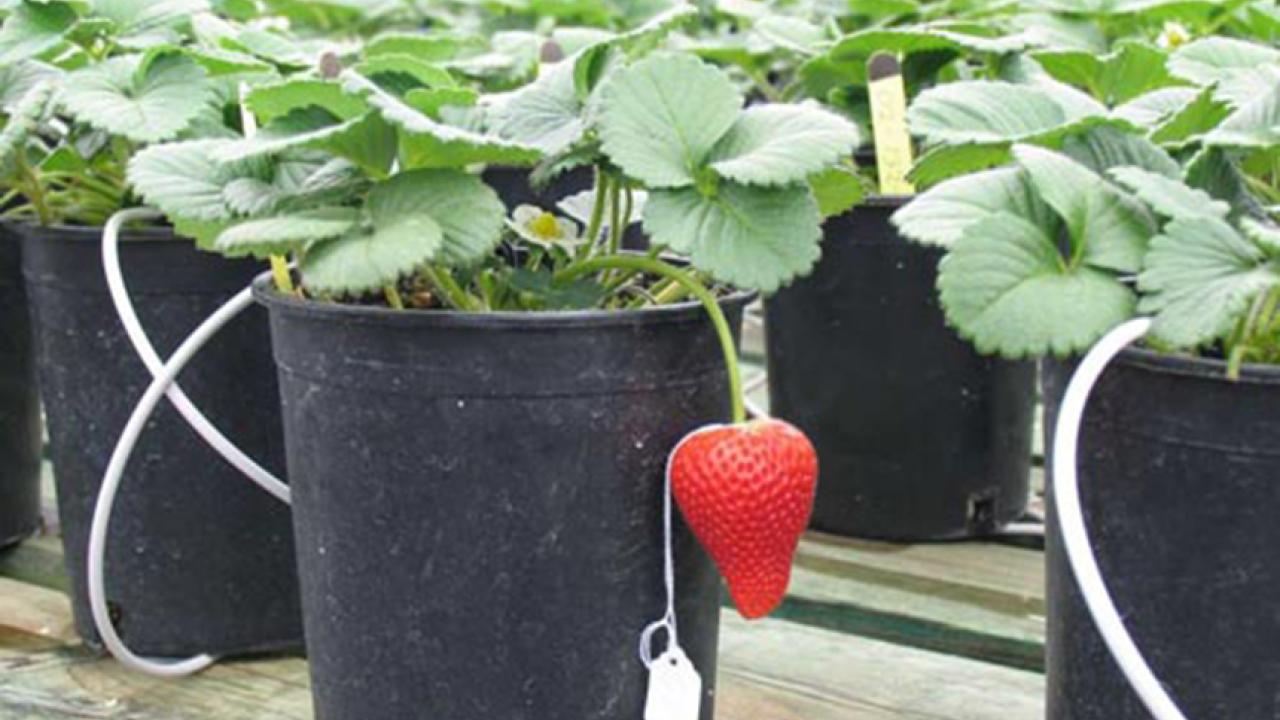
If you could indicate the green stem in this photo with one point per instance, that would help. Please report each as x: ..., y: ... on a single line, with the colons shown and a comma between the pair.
x: 448, y: 288
x: 615, y: 217
x: 657, y: 267
x: 670, y: 294
x: 597, y: 212
x: 34, y: 192
x: 625, y: 276
x: 393, y: 297
x: 280, y: 272
x: 627, y: 209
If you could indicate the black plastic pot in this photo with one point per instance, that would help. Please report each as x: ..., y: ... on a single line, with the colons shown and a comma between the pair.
x: 1178, y: 476
x: 513, y: 187
x: 199, y: 559
x: 918, y: 436
x: 20, y: 433
x: 478, y: 504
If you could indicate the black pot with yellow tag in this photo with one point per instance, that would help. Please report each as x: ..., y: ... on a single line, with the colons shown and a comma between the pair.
x: 918, y: 436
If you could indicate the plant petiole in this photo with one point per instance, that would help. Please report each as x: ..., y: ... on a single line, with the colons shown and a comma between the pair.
x: 693, y: 287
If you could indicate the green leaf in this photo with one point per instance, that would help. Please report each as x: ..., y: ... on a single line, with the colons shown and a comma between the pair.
x: 943, y: 214
x: 470, y: 214
x: 660, y: 118
x: 1107, y: 229
x: 545, y: 114
x: 218, y: 62
x: 18, y: 79
x: 1216, y: 59
x: 512, y: 61
x: 579, y: 294
x: 993, y: 112
x: 34, y: 28
x: 367, y: 140
x: 1215, y: 172
x: 1102, y: 148
x: 27, y: 115
x: 861, y: 45
x: 1169, y: 197
x: 794, y: 34
x: 1005, y: 287
x: 648, y: 35
x: 169, y: 96
x: 203, y: 233
x: 1131, y: 70
x: 1187, y: 123
x: 425, y: 48
x: 1245, y: 85
x: 270, y: 46
x: 269, y: 102
x: 750, y: 237
x: 782, y: 144
x: 837, y: 190
x: 1200, y: 277
x: 1255, y: 124
x: 279, y: 184
x: 398, y: 238
x: 283, y: 234
x: 947, y: 161
x: 398, y: 74
x: 183, y: 180
x: 143, y: 23
x: 429, y: 143
x: 1060, y: 32
x: 1266, y: 236
x: 432, y: 103
x: 1153, y: 108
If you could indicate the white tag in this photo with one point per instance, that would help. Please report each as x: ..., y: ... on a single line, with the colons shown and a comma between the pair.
x: 675, y: 688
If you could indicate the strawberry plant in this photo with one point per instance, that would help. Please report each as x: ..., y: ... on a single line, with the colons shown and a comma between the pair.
x: 85, y: 87
x: 368, y: 186
x: 1159, y: 205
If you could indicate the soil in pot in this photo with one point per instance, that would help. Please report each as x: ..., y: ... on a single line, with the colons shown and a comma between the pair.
x: 918, y: 436
x: 478, y: 504
x: 20, y: 429
x: 1178, y: 476
x: 199, y: 559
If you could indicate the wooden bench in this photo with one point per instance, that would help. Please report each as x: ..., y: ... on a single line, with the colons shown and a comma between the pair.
x: 870, y: 631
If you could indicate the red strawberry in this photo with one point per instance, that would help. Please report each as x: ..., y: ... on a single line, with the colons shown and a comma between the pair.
x: 746, y: 491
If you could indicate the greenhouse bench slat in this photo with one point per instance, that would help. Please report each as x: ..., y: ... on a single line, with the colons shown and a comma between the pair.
x: 870, y: 631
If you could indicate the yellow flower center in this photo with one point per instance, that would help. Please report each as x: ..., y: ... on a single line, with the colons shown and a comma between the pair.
x: 545, y: 226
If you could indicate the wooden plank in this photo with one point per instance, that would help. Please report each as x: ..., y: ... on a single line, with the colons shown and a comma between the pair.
x: 857, y: 678
x: 35, y: 611
x: 71, y: 683
x: 38, y: 561
x: 976, y: 600
x: 769, y: 670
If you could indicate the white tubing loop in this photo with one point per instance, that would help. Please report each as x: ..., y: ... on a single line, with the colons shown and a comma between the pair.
x: 142, y: 345
x: 1075, y: 536
x: 111, y: 484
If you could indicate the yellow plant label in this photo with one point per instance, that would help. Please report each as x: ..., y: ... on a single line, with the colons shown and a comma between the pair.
x: 889, y: 124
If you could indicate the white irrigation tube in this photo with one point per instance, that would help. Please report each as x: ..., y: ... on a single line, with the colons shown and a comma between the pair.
x: 111, y: 484
x: 1075, y: 536
x: 142, y: 345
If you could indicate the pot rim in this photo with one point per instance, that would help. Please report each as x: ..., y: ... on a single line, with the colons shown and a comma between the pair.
x: 877, y: 200
x: 267, y: 296
x: 93, y: 233
x: 1190, y: 366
